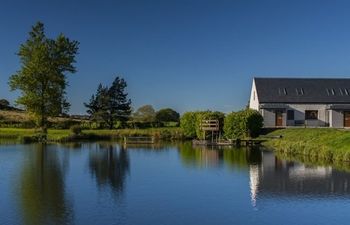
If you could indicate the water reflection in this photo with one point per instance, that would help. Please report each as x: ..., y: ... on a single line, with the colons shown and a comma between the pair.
x: 218, y: 157
x: 41, y: 196
x: 109, y: 164
x: 270, y: 176
x: 282, y: 177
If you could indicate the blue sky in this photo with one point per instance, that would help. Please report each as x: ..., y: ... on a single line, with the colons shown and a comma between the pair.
x: 188, y: 55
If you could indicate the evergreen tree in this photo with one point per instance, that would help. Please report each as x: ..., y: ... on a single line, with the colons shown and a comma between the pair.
x: 110, y: 105
x: 119, y: 104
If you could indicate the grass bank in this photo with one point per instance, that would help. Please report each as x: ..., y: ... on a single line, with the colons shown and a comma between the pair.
x: 56, y: 135
x: 317, y: 144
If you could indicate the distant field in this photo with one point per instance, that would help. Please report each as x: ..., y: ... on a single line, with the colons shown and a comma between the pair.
x: 19, y: 116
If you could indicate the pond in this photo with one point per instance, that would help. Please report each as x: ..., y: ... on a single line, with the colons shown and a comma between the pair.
x: 108, y: 183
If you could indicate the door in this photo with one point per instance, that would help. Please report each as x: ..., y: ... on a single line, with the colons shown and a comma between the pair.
x: 279, y: 118
x: 347, y: 119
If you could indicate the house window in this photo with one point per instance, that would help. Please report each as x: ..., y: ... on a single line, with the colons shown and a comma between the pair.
x: 311, y: 114
x: 290, y: 114
x: 299, y: 91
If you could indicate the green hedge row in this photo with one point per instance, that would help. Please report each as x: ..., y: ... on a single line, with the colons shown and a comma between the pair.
x: 241, y: 124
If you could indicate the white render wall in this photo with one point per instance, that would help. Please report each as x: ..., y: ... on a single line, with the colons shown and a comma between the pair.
x: 253, y: 102
x: 270, y: 117
x: 299, y: 113
x: 332, y: 118
x: 336, y: 119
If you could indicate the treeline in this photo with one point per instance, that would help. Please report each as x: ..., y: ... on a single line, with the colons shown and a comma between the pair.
x: 242, y: 124
x: 110, y: 108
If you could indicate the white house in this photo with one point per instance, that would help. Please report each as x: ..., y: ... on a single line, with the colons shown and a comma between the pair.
x: 302, y: 101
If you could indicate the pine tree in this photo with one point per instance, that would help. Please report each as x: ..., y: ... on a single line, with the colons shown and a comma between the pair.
x: 119, y: 104
x: 110, y: 105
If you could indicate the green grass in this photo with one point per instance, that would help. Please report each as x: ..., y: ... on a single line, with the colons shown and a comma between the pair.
x: 324, y: 144
x: 64, y: 135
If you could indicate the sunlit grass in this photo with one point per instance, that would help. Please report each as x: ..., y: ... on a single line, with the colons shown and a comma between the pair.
x: 318, y: 143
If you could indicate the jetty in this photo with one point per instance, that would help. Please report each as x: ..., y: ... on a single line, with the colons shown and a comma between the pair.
x: 139, y: 140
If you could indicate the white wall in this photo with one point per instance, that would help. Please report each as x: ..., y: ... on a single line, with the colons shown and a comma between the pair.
x: 336, y: 119
x: 254, y: 102
x: 299, y: 113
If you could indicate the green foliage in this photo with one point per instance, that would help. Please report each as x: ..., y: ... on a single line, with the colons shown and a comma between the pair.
x: 4, y: 104
x: 76, y: 129
x: 208, y: 115
x: 145, y: 114
x: 243, y: 124
x: 188, y: 124
x: 167, y: 115
x: 110, y: 105
x: 42, y: 76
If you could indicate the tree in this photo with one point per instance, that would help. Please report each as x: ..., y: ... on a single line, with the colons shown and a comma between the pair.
x: 42, y: 77
x: 4, y: 103
x: 167, y: 115
x: 119, y: 105
x: 110, y: 104
x: 145, y: 114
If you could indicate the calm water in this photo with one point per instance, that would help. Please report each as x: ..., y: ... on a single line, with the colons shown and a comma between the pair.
x: 104, y: 183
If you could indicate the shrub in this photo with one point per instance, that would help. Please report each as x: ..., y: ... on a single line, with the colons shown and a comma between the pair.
x: 242, y: 124
x: 76, y: 129
x: 208, y: 115
x: 188, y: 124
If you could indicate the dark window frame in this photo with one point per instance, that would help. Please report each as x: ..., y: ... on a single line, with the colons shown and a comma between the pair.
x: 311, y: 114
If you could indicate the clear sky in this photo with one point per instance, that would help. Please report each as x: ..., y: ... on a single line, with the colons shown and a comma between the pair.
x: 184, y: 54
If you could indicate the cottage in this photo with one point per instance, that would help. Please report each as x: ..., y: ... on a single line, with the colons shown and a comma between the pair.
x: 302, y: 101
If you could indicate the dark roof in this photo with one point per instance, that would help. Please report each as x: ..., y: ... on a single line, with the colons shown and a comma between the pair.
x: 303, y: 90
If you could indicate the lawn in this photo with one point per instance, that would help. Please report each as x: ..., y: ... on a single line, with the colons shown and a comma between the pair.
x: 318, y: 143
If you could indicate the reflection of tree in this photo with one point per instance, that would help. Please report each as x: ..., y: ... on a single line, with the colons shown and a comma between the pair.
x: 41, y: 194
x: 110, y: 166
x: 204, y: 157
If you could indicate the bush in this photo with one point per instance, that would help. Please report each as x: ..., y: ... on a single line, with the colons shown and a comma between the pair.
x: 243, y: 124
x: 208, y: 115
x: 76, y: 129
x: 188, y: 124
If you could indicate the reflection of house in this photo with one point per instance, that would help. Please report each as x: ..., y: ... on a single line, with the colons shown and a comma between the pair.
x: 282, y: 178
x: 299, y: 101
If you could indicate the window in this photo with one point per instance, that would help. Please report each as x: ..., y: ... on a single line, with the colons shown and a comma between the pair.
x: 290, y: 114
x: 282, y: 91
x: 299, y: 91
x: 311, y: 114
x: 254, y: 95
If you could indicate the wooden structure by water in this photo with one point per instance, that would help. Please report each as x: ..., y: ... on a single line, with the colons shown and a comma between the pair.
x: 212, y: 126
x: 139, y: 140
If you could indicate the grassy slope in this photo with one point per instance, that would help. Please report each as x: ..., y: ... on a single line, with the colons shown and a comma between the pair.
x: 322, y: 143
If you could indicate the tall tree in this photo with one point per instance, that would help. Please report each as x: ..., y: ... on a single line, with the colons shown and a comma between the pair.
x: 42, y: 77
x: 110, y: 104
x: 119, y: 104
